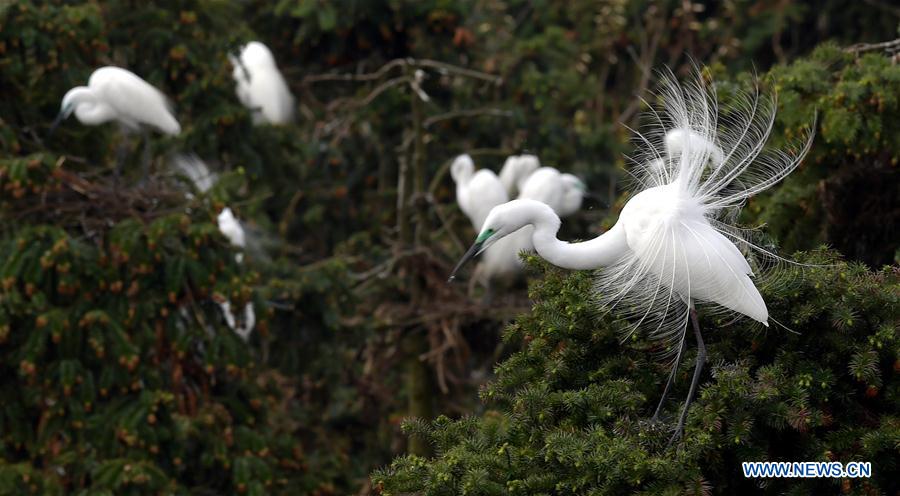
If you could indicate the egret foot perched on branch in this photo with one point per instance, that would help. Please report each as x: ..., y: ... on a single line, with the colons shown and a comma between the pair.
x: 701, y: 359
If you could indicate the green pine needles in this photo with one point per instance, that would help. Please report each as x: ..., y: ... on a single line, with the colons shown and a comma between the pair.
x: 124, y: 377
x: 568, y: 414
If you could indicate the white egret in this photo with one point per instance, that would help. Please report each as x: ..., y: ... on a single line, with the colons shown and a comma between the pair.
x: 476, y: 192
x: 672, y: 246
x: 516, y: 170
x: 562, y: 192
x: 119, y: 95
x: 260, y: 85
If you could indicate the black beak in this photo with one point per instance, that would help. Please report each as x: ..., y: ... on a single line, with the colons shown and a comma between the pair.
x: 473, y: 250
x: 236, y: 58
x: 59, y: 118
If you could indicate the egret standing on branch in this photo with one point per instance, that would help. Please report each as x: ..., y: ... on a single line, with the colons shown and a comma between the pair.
x: 116, y: 94
x: 673, y: 247
x: 260, y: 85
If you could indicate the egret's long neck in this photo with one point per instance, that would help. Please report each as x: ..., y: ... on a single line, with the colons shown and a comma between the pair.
x: 601, y: 251
x: 88, y: 108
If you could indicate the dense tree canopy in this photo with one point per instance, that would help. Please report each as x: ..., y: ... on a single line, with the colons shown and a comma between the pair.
x: 122, y: 375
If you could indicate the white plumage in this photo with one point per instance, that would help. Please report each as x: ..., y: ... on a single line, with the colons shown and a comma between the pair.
x: 260, y: 85
x: 195, y: 169
x: 476, y: 192
x: 516, y: 170
x: 479, y: 192
x: 231, y: 228
x: 116, y: 94
x: 562, y: 192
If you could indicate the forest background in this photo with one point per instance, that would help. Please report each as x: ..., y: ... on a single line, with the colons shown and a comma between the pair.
x: 120, y: 375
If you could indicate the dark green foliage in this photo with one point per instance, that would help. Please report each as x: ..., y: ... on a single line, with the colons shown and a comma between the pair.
x: 843, y: 192
x: 312, y: 402
x: 568, y: 414
x: 126, y: 380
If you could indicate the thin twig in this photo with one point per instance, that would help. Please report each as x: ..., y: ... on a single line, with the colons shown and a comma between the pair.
x: 477, y: 112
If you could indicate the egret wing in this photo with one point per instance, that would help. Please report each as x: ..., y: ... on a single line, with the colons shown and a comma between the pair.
x: 717, y: 272
x: 135, y: 100
x: 269, y: 91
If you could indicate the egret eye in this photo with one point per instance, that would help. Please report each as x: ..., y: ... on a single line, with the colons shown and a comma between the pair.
x: 485, y: 235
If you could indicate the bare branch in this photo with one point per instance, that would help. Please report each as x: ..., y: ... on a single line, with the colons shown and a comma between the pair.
x: 495, y: 112
x: 887, y: 46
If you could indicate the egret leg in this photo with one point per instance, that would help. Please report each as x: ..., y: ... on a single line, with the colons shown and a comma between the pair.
x: 488, y: 298
x: 146, y: 156
x: 474, y: 280
x: 701, y: 359
x: 121, y: 155
x: 671, y: 380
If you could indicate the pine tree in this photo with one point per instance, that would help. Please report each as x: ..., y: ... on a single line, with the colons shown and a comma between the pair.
x: 568, y: 414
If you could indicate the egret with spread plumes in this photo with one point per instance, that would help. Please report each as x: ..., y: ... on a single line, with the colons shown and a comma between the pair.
x: 260, y: 85
x: 674, y: 246
x: 118, y: 95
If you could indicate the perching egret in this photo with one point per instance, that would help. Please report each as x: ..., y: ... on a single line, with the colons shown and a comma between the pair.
x: 476, y: 192
x: 672, y: 246
x: 260, y: 85
x: 116, y: 94
x: 516, y: 170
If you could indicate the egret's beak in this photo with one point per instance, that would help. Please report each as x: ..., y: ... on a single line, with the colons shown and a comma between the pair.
x: 59, y: 118
x: 474, y: 250
x: 235, y: 57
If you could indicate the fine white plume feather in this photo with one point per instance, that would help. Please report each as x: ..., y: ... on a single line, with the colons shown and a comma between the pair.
x: 696, y: 166
x: 194, y: 168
